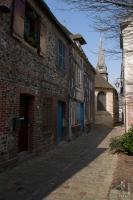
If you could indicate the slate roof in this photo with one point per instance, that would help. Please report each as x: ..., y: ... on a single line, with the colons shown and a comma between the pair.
x: 100, y: 82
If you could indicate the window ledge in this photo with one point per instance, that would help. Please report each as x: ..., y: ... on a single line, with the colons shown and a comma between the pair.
x: 25, y: 43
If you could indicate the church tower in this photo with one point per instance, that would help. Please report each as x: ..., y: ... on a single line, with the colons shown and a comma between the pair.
x: 101, y: 66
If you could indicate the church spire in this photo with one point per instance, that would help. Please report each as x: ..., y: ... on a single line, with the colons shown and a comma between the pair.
x: 101, y: 65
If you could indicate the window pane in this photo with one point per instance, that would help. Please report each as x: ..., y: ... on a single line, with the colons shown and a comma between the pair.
x: 32, y: 27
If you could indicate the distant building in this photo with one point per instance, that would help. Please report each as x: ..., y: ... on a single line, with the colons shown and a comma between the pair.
x: 81, y: 96
x: 106, y: 97
x: 89, y: 95
x: 127, y: 70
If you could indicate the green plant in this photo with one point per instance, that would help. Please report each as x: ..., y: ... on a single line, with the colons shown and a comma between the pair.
x: 127, y: 142
x: 123, y: 143
x: 115, y: 144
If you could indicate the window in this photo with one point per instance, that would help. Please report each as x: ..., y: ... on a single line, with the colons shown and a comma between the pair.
x: 80, y: 79
x: 101, y: 101
x: 31, y: 27
x: 73, y: 113
x: 79, y: 76
x: 61, y: 55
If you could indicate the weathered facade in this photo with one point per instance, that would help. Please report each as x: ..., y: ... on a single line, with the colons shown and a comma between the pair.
x: 89, y: 95
x: 126, y: 71
x: 34, y: 64
x: 81, y: 101
x: 106, y: 102
x: 106, y: 97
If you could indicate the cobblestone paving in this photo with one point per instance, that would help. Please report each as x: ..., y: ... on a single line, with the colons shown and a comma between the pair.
x: 79, y: 170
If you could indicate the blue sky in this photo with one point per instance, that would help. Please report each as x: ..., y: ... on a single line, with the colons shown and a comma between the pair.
x: 79, y: 22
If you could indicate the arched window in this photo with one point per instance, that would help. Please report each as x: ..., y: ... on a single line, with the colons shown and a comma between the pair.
x: 101, y: 101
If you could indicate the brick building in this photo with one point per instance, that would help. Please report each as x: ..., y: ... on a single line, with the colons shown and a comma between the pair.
x: 34, y: 64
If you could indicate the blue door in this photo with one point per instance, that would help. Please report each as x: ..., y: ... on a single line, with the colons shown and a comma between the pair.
x: 80, y: 115
x: 60, y: 122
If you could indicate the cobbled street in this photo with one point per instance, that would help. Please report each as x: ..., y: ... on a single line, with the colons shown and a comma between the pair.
x: 79, y: 170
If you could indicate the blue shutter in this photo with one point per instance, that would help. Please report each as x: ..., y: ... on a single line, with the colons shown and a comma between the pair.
x: 61, y: 55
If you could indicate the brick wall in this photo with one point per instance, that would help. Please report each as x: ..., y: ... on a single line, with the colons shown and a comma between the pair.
x: 24, y: 71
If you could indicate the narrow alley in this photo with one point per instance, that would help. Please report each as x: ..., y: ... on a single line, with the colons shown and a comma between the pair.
x: 66, y: 89
x: 78, y: 170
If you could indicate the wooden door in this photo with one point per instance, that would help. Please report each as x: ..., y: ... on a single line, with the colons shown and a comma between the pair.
x: 23, y: 138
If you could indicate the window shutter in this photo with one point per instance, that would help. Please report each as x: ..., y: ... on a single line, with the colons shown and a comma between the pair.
x: 42, y: 49
x: 18, y: 19
x: 67, y: 58
x: 60, y: 54
x: 57, y: 51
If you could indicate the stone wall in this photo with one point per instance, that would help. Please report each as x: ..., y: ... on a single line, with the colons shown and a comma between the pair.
x: 127, y: 32
x: 24, y: 71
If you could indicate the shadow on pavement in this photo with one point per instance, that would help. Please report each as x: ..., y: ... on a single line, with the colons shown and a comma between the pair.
x: 37, y: 178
